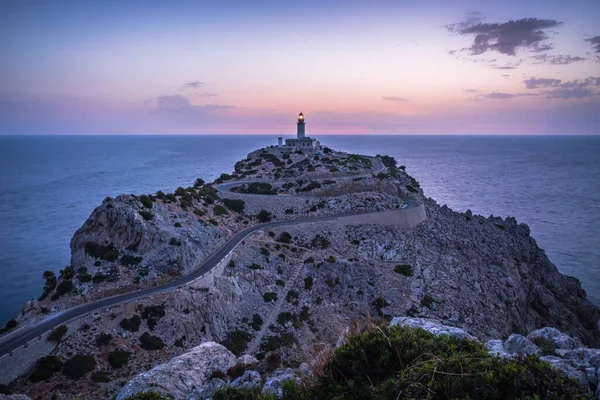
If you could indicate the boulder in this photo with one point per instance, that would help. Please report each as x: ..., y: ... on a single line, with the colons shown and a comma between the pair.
x: 247, y: 361
x: 433, y: 326
x: 496, y: 348
x: 14, y: 397
x: 250, y: 380
x: 520, y: 345
x: 207, y: 391
x: 559, y: 339
x: 181, y: 375
x: 568, y: 370
x: 274, y: 384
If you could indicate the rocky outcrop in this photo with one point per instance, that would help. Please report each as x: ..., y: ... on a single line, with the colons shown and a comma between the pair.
x: 431, y: 325
x: 180, y: 376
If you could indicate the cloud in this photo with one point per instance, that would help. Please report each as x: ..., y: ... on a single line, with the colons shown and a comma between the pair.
x: 194, y: 84
x: 500, y: 95
x: 507, y: 37
x: 505, y: 67
x: 506, y: 75
x: 393, y: 98
x: 172, y: 102
x: 556, y: 60
x: 534, y: 83
x: 595, y: 41
x: 471, y: 90
x: 206, y: 94
x: 576, y: 89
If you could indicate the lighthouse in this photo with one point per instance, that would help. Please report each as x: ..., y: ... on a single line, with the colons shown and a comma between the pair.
x: 301, y: 125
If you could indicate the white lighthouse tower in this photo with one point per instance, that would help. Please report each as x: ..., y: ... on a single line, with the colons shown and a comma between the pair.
x: 301, y: 125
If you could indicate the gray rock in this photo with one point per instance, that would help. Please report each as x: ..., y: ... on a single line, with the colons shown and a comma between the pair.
x: 496, y: 348
x: 14, y: 397
x: 557, y: 338
x: 431, y: 325
x: 568, y: 370
x: 595, y: 360
x: 208, y: 390
x: 250, y: 380
x: 247, y: 361
x: 582, y: 355
x: 181, y: 375
x: 520, y: 345
x: 274, y: 384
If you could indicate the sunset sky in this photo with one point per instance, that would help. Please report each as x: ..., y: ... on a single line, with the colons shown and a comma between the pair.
x: 364, y: 67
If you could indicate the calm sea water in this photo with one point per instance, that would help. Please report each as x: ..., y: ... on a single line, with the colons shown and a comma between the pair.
x: 49, y: 186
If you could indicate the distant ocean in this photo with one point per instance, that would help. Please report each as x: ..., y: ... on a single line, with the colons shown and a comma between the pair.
x: 50, y: 185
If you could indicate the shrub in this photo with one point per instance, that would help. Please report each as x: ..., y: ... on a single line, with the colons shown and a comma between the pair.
x: 117, y: 358
x: 146, y: 201
x: 79, y: 365
x: 12, y: 323
x: 255, y: 266
x: 285, y: 237
x: 237, y: 341
x: 108, y: 252
x: 99, y: 277
x: 151, y: 342
x: 63, y: 288
x: 161, y: 195
x: 174, y: 242
x: 547, y: 347
x: 280, y: 282
x: 58, y: 333
x: 404, y: 269
x: 257, y: 322
x: 234, y: 205
x: 231, y: 393
x: 309, y: 260
x: 308, y: 283
x: 411, y: 189
x: 50, y: 284
x: 380, y: 303
x: 103, y: 339
x: 427, y: 301
x: 100, y: 377
x: 213, y: 222
x: 273, y: 343
x: 147, y: 215
x: 331, y: 259
x: 264, y: 216
x: 219, y: 210
x: 198, y: 183
x: 320, y: 242
x: 381, y: 364
x: 304, y: 314
x: 180, y: 191
x: 154, y: 312
x: 270, y: 296
x: 84, y: 277
x: 199, y: 212
x: 292, y: 296
x: 327, y: 150
x: 128, y: 260
x: 177, y: 225
x: 265, y: 252
x: 285, y: 317
x: 289, y: 211
x: 131, y: 324
x: 45, y: 367
x: 312, y: 185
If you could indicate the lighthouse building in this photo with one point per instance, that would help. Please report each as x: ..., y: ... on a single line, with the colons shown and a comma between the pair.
x: 301, y: 142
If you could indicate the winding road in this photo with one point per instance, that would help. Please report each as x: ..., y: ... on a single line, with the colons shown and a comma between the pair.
x: 20, y: 337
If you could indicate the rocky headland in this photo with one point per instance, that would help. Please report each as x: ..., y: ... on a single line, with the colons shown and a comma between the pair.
x: 288, y: 292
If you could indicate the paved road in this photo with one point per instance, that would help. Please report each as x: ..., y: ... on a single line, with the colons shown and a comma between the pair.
x: 20, y: 337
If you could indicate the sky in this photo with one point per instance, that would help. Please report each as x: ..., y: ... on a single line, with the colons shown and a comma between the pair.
x: 249, y: 67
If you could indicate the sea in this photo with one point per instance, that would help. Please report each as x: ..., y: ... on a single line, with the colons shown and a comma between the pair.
x: 49, y: 185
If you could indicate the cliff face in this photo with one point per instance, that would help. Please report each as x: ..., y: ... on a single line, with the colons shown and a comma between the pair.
x: 290, y: 287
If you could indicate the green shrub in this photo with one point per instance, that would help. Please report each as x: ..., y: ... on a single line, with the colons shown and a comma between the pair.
x: 103, y: 339
x: 219, y: 210
x: 100, y: 377
x: 255, y: 266
x: 50, y: 285
x: 292, y: 296
x: 234, y: 205
x: 273, y: 343
x: 146, y: 201
x: 285, y: 237
x: 280, y: 282
x: 411, y: 189
x: 177, y: 225
x: 309, y: 260
x: 151, y: 342
x: 154, y: 312
x: 12, y: 323
x: 147, y: 215
x: 63, y: 288
x: 308, y: 283
x: 180, y: 191
x: 131, y: 324
x: 198, y: 183
x: 58, y: 333
x: 84, y: 277
x: 237, y: 341
x: 380, y: 303
x: 199, y: 212
x: 312, y: 185
x: 117, y: 358
x: 285, y: 317
x: 264, y: 216
x: 427, y: 301
x: 174, y: 242
x: 108, y: 252
x: 128, y: 260
x: 213, y: 222
x: 231, y: 393
x: 79, y: 365
x: 331, y: 259
x: 289, y: 211
x: 404, y: 269
x: 270, y: 296
x: 304, y: 315
x: 257, y: 322
x: 45, y: 367
x: 547, y: 347
x: 99, y: 277
x: 320, y: 242
x: 413, y: 363
x: 265, y: 252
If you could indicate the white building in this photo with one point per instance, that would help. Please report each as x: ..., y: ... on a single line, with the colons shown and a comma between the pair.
x: 301, y: 142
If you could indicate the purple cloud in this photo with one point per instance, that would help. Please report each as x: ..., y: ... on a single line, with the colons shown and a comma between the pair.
x: 576, y: 89
x: 556, y: 60
x: 595, y: 41
x: 534, y: 83
x: 500, y: 95
x: 393, y: 98
x: 507, y: 37
x: 194, y: 84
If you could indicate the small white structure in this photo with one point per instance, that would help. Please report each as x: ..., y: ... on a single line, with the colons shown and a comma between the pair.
x: 301, y: 142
